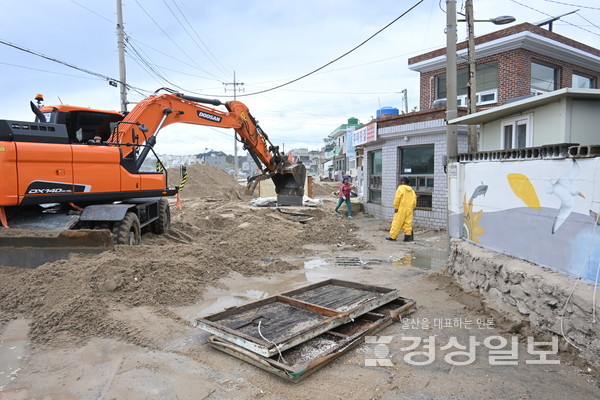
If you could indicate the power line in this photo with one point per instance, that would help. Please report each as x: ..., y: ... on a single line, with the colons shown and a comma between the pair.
x: 171, y: 39
x: 549, y: 15
x: 46, y: 71
x: 93, y: 12
x: 132, y: 39
x: 151, y: 68
x: 87, y: 71
x: 323, y: 92
x: 145, y: 68
x: 572, y: 5
x: 581, y: 16
x: 338, y: 58
x: 212, y: 57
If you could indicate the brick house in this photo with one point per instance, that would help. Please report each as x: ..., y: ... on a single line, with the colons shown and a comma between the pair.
x: 512, y: 63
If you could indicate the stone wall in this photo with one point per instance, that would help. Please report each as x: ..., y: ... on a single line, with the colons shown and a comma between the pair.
x: 537, y: 294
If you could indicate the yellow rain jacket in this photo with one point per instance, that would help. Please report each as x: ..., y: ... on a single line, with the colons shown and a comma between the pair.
x: 405, y: 202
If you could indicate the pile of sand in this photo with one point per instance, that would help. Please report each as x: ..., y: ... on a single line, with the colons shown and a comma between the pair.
x: 72, y: 300
x: 325, y: 189
x: 206, y: 181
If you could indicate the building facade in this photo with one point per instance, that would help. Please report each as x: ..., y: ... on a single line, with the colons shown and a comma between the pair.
x: 412, y: 145
x: 516, y: 62
x: 511, y: 63
x: 336, y: 162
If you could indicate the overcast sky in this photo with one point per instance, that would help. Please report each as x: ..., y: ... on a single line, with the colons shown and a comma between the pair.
x: 198, y: 44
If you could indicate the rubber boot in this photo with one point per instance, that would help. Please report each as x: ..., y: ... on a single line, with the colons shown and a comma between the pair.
x: 408, y: 238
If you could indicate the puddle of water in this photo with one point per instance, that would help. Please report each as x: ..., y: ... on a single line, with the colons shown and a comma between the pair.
x: 429, y: 260
x: 315, y: 263
x: 236, y: 290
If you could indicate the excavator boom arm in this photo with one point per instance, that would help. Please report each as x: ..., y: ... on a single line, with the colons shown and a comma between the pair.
x: 158, y: 111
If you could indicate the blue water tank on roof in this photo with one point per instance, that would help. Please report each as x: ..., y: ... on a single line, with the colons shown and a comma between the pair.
x: 387, y: 112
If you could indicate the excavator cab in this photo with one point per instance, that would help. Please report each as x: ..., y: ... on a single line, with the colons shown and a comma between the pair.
x: 83, y: 124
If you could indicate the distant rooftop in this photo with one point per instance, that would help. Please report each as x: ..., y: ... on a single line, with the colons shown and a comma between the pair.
x: 526, y: 36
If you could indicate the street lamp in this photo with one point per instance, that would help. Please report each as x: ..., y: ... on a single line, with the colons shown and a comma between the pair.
x: 472, y: 87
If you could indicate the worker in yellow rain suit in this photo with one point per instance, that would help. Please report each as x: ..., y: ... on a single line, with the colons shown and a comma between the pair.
x: 405, y: 202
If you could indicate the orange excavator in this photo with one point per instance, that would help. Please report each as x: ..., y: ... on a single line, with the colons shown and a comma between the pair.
x: 78, y: 168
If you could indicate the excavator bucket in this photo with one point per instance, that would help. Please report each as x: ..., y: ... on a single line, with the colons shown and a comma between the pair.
x: 289, y: 185
x: 29, y: 248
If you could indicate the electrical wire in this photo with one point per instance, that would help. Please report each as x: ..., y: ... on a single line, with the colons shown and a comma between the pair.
x: 210, y: 57
x: 580, y: 273
x: 93, y: 12
x: 151, y: 67
x: 549, y: 15
x: 171, y: 39
x: 272, y: 342
x: 336, y: 59
x: 132, y: 39
x: 145, y: 68
x: 67, y: 64
x: 46, y: 71
x: 572, y: 5
x: 587, y: 20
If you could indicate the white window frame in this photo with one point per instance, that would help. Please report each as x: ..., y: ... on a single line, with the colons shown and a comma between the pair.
x: 590, y: 78
x: 526, y: 120
x: 462, y: 100
x: 486, y: 92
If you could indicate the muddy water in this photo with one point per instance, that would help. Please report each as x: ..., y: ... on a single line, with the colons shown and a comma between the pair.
x: 14, y: 349
x: 433, y: 260
x: 236, y: 290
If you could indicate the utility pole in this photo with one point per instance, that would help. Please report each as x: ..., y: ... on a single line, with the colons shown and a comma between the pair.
x: 451, y: 91
x: 235, y: 85
x: 451, y: 105
x: 472, y: 74
x: 405, y: 100
x: 121, y: 47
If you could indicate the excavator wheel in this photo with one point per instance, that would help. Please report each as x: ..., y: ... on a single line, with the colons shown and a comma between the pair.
x: 163, y: 223
x: 127, y: 231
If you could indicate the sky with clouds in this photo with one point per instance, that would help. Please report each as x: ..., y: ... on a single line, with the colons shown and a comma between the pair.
x: 194, y: 46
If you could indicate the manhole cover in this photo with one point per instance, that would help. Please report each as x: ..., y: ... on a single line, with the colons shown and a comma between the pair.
x: 348, y: 262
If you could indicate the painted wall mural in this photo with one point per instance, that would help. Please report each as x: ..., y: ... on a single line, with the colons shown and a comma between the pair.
x: 543, y: 211
x: 471, y: 228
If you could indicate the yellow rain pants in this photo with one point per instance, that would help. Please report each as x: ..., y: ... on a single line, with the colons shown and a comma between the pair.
x: 405, y: 202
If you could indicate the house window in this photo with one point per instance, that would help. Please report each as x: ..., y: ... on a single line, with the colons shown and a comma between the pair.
x: 375, y: 169
x: 582, y: 81
x: 517, y: 133
x: 544, y: 78
x: 417, y: 163
x: 486, y: 81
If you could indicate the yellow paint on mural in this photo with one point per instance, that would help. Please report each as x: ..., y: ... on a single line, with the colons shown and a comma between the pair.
x: 523, y: 188
x: 471, y: 228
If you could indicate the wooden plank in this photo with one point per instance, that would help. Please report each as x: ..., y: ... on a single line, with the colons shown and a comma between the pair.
x: 308, y: 306
x: 337, y: 297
